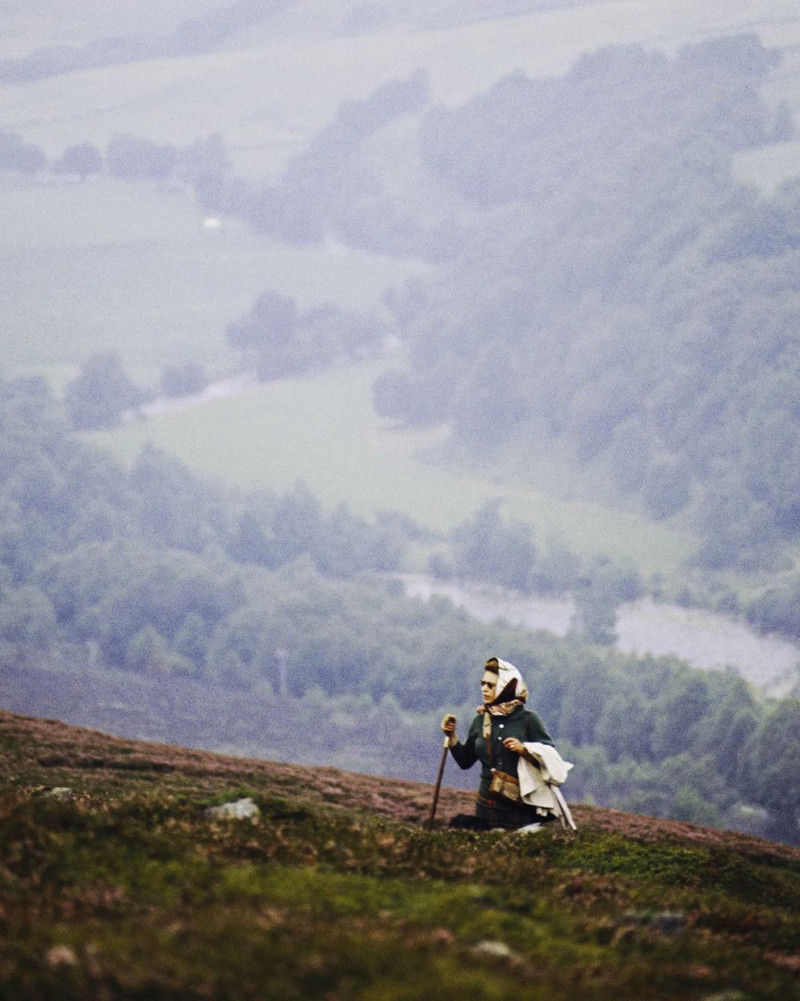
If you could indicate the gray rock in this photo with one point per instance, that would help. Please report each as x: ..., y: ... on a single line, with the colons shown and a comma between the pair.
x: 58, y: 792
x: 663, y: 922
x: 494, y: 949
x: 240, y: 809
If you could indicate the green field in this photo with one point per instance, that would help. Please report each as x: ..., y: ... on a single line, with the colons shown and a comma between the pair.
x: 323, y: 431
x: 111, y: 265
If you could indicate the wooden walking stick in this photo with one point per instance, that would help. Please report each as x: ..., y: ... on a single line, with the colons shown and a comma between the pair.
x: 438, y: 786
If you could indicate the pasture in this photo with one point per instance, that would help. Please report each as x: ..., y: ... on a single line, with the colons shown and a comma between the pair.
x: 130, y: 267
x: 322, y: 431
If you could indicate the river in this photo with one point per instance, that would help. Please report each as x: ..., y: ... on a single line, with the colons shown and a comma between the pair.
x: 704, y: 639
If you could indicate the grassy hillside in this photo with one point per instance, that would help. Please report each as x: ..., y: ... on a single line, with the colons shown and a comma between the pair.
x: 115, y: 883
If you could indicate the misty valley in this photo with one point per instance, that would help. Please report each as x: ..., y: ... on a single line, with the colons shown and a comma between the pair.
x: 535, y: 330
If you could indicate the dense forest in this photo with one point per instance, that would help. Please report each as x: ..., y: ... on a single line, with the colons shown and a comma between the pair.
x: 605, y: 283
x: 157, y: 575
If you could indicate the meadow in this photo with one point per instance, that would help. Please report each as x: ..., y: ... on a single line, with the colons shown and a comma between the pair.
x: 130, y: 267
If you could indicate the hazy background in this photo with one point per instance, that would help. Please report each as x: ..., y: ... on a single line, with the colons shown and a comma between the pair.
x: 306, y: 305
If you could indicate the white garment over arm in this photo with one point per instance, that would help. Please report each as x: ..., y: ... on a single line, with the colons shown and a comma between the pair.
x: 539, y: 780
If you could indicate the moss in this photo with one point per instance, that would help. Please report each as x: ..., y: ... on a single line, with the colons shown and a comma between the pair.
x: 128, y: 890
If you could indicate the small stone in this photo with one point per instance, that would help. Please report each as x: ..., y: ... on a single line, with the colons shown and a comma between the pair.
x: 733, y: 995
x: 663, y: 922
x: 493, y: 949
x: 58, y: 792
x: 240, y: 809
x: 669, y: 922
x: 61, y: 955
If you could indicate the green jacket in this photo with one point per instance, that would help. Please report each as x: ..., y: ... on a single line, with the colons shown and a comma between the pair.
x: 522, y: 723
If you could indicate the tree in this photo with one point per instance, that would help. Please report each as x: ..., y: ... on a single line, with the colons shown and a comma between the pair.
x: 207, y: 166
x: 680, y: 713
x: 183, y: 380
x: 777, y: 609
x: 169, y: 500
x: 413, y: 399
x: 27, y: 617
x: 17, y: 155
x: 737, y: 531
x: 102, y: 392
x: 772, y: 776
x: 588, y: 690
x: 597, y: 597
x: 132, y: 158
x: 666, y: 488
x: 82, y: 159
x: 268, y: 333
x: 489, y: 404
x: 595, y: 615
x: 489, y: 549
x: 625, y: 727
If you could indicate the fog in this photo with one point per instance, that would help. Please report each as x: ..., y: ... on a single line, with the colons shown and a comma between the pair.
x: 542, y: 257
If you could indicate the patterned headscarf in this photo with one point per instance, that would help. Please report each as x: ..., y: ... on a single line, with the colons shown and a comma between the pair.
x: 511, y: 691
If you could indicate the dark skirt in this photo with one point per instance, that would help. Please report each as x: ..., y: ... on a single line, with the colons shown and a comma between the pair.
x: 497, y: 814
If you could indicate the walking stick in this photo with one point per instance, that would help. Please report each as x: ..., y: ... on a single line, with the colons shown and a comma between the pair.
x: 438, y: 785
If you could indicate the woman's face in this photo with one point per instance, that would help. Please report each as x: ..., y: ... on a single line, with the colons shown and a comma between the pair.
x: 488, y: 687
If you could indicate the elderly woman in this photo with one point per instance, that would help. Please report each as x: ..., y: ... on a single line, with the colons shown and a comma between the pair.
x: 496, y: 738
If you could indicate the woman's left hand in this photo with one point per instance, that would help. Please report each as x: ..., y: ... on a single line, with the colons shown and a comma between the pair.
x: 514, y: 745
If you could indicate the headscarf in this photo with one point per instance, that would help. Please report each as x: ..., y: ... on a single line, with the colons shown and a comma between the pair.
x: 511, y: 691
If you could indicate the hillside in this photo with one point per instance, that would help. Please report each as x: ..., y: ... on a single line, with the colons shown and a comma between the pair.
x: 115, y: 883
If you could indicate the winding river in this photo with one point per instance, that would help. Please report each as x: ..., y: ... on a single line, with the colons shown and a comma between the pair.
x: 704, y: 639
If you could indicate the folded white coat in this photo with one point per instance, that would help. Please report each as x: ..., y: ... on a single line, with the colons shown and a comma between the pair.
x: 540, y: 778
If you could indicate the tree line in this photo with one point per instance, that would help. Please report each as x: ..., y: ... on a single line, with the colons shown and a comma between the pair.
x: 127, y: 157
x: 194, y: 36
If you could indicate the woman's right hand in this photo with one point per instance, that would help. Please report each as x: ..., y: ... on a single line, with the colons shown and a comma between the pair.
x: 449, y: 727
